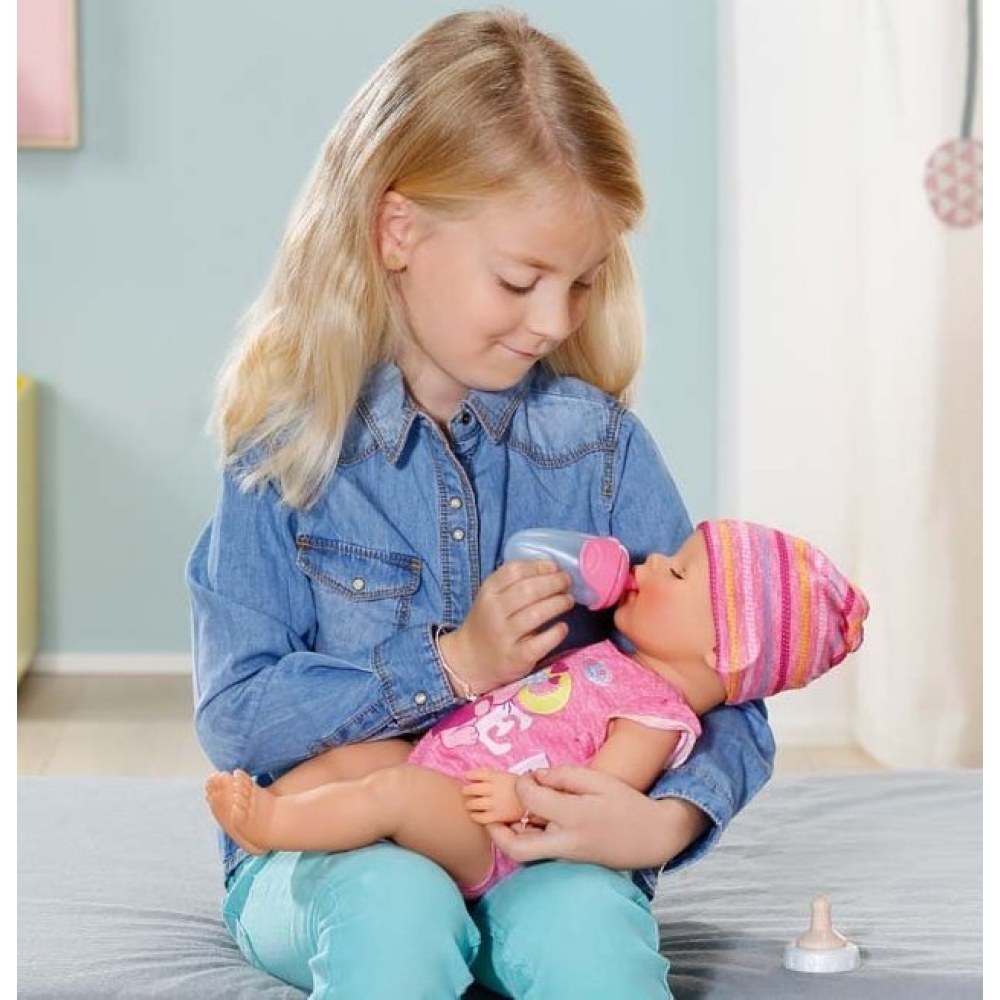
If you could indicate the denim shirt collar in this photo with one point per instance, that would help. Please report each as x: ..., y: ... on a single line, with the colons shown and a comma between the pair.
x: 389, y: 411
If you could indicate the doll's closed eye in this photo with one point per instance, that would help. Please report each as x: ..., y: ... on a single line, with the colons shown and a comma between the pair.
x: 675, y: 574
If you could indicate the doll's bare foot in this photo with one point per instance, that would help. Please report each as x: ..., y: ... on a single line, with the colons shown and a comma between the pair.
x: 240, y: 807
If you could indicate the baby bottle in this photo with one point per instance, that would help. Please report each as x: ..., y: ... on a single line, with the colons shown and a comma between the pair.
x: 598, y: 566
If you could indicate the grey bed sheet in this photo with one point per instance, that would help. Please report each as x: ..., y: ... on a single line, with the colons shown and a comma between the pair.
x: 119, y: 892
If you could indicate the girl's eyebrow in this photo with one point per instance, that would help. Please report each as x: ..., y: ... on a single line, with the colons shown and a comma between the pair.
x: 541, y: 265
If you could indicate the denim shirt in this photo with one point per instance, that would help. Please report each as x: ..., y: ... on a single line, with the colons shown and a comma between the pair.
x: 315, y: 628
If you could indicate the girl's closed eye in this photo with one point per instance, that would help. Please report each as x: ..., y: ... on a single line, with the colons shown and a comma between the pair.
x: 516, y: 289
x: 579, y: 287
x: 676, y: 574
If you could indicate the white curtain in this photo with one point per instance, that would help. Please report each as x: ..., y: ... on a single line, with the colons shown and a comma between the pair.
x: 851, y: 350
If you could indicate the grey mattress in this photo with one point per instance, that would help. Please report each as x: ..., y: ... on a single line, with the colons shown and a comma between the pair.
x: 119, y: 892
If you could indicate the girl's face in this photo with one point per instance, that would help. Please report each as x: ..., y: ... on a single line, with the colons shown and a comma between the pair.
x: 669, y: 615
x: 489, y: 294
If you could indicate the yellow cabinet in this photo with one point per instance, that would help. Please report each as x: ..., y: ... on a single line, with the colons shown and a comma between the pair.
x: 27, y: 525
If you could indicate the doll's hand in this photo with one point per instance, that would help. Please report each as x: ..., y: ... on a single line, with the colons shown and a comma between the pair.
x: 580, y: 814
x: 504, y: 636
x: 491, y: 797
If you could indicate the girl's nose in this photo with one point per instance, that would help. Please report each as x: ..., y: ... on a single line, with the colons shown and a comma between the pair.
x: 551, y: 317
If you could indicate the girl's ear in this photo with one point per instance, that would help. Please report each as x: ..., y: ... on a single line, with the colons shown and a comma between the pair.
x: 396, y: 227
x: 711, y: 661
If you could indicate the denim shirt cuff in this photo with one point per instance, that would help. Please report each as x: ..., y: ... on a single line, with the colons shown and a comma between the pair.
x: 415, y: 684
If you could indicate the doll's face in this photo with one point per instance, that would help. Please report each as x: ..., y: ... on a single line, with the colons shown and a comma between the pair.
x: 669, y: 615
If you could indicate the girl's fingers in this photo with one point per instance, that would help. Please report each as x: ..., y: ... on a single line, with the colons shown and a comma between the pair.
x: 531, y: 844
x: 534, y: 648
x: 532, y: 617
x: 527, y: 582
x: 505, y: 633
x: 512, y: 573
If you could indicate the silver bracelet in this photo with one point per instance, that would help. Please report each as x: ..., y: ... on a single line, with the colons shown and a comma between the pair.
x: 463, y: 687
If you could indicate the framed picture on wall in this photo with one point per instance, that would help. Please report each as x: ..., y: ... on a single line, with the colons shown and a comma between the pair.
x: 48, y: 101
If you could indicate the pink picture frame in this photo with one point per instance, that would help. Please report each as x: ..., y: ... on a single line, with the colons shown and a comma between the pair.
x: 48, y: 103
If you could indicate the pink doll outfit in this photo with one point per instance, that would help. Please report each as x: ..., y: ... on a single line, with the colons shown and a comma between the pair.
x: 557, y: 715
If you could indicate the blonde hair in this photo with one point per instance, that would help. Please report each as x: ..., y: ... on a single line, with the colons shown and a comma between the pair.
x: 478, y: 105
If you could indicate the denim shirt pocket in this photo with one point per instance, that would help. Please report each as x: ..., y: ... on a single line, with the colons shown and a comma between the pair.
x: 362, y: 595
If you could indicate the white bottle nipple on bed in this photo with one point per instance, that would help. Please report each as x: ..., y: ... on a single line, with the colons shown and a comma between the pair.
x: 821, y: 948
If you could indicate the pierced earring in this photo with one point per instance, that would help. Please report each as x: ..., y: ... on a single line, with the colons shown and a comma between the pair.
x: 394, y: 262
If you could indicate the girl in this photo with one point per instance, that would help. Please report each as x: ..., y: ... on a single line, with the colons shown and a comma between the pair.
x: 441, y: 358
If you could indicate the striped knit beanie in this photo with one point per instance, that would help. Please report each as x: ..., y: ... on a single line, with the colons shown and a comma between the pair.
x: 784, y: 614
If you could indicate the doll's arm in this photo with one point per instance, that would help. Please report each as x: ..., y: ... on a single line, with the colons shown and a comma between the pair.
x: 635, y: 753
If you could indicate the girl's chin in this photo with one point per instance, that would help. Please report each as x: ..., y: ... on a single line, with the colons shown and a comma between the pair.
x: 499, y: 381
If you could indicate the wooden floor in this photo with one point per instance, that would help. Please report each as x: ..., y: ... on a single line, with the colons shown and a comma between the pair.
x: 141, y: 727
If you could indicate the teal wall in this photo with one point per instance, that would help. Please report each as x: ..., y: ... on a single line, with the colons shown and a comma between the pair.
x: 138, y: 252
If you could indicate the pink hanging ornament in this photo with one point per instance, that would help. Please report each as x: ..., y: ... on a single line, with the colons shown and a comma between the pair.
x: 953, y: 175
x: 953, y: 179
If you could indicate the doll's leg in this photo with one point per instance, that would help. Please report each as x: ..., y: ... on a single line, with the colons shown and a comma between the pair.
x: 559, y: 929
x: 355, y: 760
x: 416, y: 807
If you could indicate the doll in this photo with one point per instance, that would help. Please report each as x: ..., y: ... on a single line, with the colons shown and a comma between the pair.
x: 740, y: 612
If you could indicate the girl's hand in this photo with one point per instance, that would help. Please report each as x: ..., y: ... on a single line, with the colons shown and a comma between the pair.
x: 504, y: 636
x: 490, y: 797
x: 591, y: 816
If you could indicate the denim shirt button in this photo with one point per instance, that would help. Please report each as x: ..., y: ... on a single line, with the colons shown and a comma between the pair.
x: 420, y: 698
x: 458, y: 534
x: 455, y: 503
x: 357, y: 584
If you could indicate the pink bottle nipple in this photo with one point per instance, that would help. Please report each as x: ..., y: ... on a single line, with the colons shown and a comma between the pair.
x: 604, y: 565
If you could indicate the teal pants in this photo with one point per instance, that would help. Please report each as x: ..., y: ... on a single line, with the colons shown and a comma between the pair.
x: 382, y: 923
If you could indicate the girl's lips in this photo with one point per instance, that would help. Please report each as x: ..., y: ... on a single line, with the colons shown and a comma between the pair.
x: 527, y: 355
